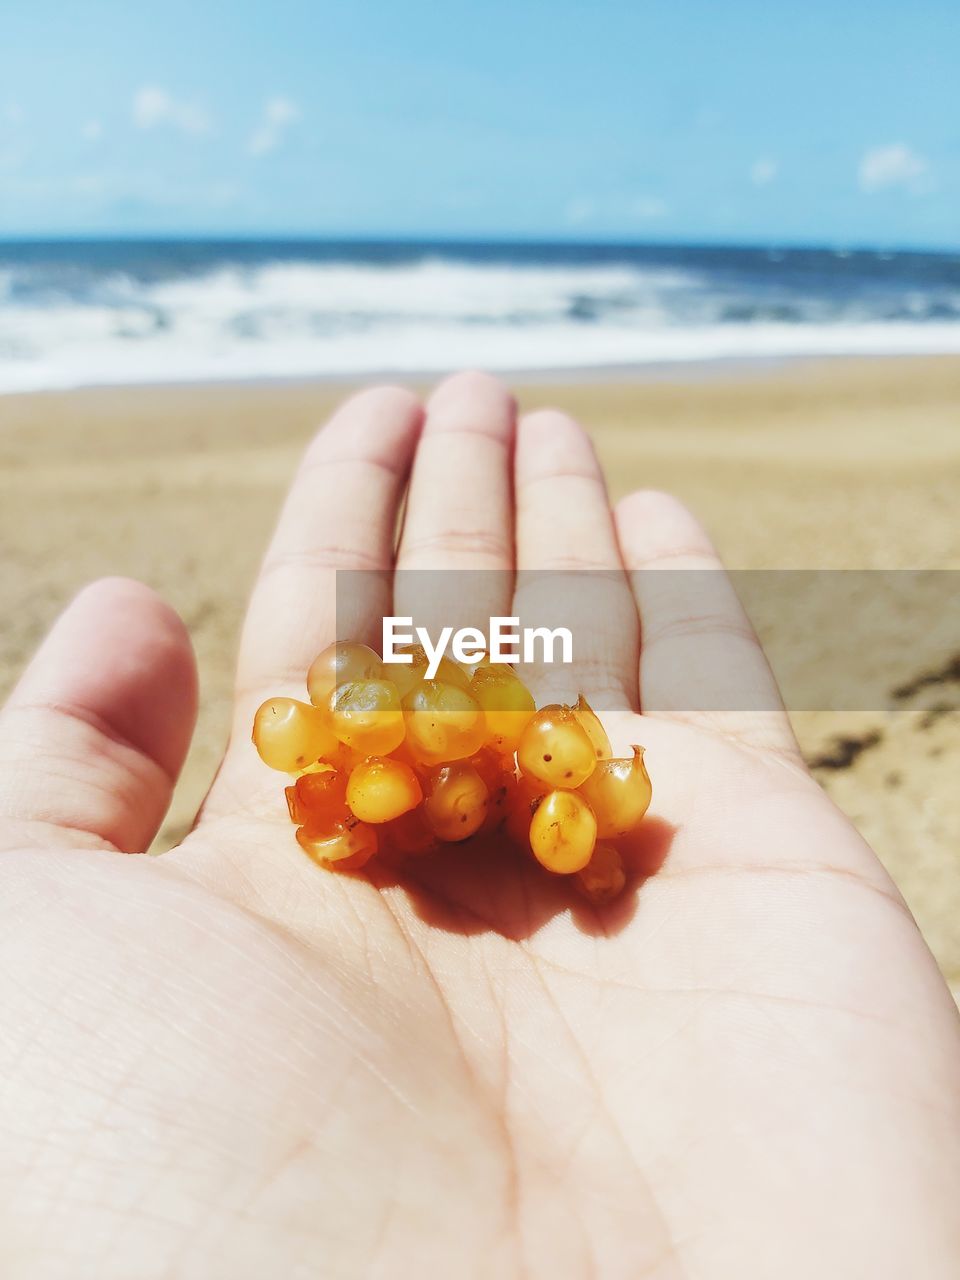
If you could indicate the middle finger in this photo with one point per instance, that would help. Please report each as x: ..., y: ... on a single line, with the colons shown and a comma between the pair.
x: 571, y: 573
x: 455, y: 559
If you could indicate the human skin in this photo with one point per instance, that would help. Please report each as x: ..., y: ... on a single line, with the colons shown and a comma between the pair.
x: 227, y: 1063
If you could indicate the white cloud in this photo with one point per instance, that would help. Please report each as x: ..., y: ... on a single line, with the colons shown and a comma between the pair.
x: 278, y: 115
x: 91, y: 130
x: 895, y: 165
x: 153, y: 106
x: 12, y: 113
x: 763, y: 171
x: 649, y: 207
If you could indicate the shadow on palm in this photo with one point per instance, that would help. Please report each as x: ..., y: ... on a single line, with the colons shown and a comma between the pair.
x: 488, y: 885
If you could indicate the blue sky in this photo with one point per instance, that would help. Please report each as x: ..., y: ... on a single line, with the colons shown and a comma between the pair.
x: 747, y: 120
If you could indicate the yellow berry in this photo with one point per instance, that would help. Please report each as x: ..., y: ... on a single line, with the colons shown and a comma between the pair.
x: 407, y: 675
x: 472, y: 667
x: 341, y: 663
x: 324, y: 766
x: 563, y: 832
x: 603, y: 878
x: 618, y: 791
x: 382, y: 789
x: 443, y: 723
x: 456, y: 801
x: 506, y: 702
x: 366, y: 716
x: 450, y: 672
x: 346, y: 848
x: 590, y: 722
x: 556, y: 749
x: 289, y: 735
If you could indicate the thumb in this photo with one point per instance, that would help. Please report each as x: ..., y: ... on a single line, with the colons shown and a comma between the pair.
x: 94, y: 735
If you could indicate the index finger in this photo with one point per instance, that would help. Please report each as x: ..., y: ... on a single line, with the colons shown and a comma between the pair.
x: 340, y: 513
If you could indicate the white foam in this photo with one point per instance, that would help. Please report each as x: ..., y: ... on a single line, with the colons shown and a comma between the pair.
x: 306, y: 319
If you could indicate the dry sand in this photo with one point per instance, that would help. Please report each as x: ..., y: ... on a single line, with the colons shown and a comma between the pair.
x: 844, y: 464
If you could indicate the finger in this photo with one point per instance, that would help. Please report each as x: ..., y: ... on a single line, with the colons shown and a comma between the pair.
x: 95, y: 734
x: 340, y: 514
x: 455, y: 559
x: 700, y: 659
x: 570, y: 569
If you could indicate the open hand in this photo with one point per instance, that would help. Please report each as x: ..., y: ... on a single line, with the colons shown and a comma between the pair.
x: 228, y: 1063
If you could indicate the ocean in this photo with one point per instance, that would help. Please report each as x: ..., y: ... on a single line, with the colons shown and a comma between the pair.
x: 101, y: 312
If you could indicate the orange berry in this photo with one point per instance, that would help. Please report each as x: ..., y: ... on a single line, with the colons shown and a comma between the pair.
x: 506, y: 702
x: 381, y: 789
x: 563, y: 832
x: 346, y: 758
x: 366, y: 716
x: 383, y: 749
x: 345, y: 848
x: 500, y: 779
x: 290, y: 795
x: 341, y: 663
x: 603, y: 878
x: 409, y: 834
x: 319, y: 801
x: 406, y: 756
x: 490, y: 765
x: 443, y: 722
x: 522, y: 801
x: 590, y: 722
x: 455, y: 804
x: 618, y: 791
x: 556, y: 749
x: 289, y: 735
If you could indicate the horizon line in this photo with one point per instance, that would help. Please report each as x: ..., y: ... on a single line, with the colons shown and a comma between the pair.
x: 499, y: 239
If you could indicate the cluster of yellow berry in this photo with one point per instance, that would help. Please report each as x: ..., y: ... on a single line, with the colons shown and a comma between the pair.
x: 386, y: 759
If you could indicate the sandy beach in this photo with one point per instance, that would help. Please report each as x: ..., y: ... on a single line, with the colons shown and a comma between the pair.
x: 841, y: 464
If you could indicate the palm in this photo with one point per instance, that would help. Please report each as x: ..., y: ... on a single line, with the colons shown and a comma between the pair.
x: 265, y: 1067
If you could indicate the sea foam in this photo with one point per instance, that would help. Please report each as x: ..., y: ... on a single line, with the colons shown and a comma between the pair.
x: 75, y: 318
